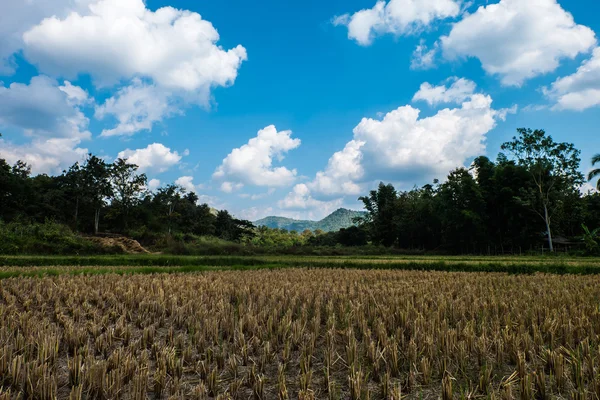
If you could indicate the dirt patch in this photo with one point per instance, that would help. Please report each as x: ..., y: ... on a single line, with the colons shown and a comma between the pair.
x: 128, y: 245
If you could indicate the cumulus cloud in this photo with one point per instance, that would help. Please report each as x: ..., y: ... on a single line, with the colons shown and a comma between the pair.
x: 136, y: 107
x: 517, y: 39
x: 423, y: 58
x: 155, y: 157
x: 186, y: 182
x: 460, y: 90
x: 166, y: 59
x: 230, y: 187
x: 122, y: 39
x: 341, y: 175
x: 588, y: 189
x: 404, y: 148
x: 47, y: 115
x: 44, y: 155
x: 153, y: 184
x: 580, y: 90
x: 398, y: 17
x: 300, y: 199
x: 43, y: 109
x: 252, y: 164
x: 76, y: 96
x: 19, y: 16
x: 257, y: 196
x: 255, y: 213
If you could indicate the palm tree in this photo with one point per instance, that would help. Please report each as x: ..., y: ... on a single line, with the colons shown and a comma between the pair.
x: 595, y: 173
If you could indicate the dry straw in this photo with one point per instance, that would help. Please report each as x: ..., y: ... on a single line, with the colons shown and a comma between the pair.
x: 300, y: 334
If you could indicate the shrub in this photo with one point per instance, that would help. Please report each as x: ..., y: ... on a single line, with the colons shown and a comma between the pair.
x: 47, y: 238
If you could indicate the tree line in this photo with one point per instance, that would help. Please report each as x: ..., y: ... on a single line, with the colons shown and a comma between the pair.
x: 96, y: 196
x: 528, y: 197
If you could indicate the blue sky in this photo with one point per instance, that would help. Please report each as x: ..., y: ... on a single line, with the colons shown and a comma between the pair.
x: 296, y: 109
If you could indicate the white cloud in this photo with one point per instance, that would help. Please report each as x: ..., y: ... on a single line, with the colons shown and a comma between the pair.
x: 153, y: 184
x: 76, y: 96
x: 230, y: 187
x: 300, y: 198
x: 42, y: 109
x: 45, y: 155
x: 136, y: 107
x: 47, y: 114
x: 403, y: 148
x: 255, y: 213
x: 252, y: 164
x: 258, y: 196
x: 186, y: 182
x: 580, y: 90
x: 155, y: 157
x: 211, y: 201
x: 166, y: 59
x: 398, y: 17
x: 19, y: 16
x: 341, y: 175
x: 423, y: 58
x: 122, y: 39
x: 460, y: 90
x: 518, y: 39
x: 588, y: 188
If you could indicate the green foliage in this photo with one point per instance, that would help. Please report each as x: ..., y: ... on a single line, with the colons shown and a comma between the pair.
x: 229, y: 228
x: 264, y: 236
x: 554, y: 170
x: 461, y: 208
x: 493, y: 208
x: 591, y: 239
x: 151, y: 264
x: 595, y: 173
x: 45, y: 238
x: 127, y: 187
x: 381, y: 206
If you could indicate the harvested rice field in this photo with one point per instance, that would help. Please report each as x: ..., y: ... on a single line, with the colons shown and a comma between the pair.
x: 295, y: 333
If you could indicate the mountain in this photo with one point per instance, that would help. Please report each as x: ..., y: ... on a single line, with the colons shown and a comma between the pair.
x: 340, y: 218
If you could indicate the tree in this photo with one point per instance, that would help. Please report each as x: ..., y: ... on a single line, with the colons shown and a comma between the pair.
x: 553, y: 168
x: 127, y: 186
x: 97, y: 186
x: 73, y: 181
x: 595, y: 173
x: 352, y: 236
x: 461, y: 209
x: 591, y: 239
x: 205, y: 220
x: 168, y: 197
x: 380, y: 218
x: 15, y: 189
x: 229, y: 228
x: 6, y: 190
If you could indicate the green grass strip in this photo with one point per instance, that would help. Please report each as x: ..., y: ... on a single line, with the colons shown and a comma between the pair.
x: 89, y: 271
x: 167, y: 264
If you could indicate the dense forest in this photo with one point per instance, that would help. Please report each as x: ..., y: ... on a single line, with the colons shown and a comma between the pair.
x: 526, y: 199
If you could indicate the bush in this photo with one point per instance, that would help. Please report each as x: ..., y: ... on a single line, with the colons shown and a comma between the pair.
x: 45, y: 239
x: 187, y: 244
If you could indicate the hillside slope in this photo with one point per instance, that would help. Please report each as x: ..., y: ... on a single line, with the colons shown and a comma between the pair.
x: 340, y: 218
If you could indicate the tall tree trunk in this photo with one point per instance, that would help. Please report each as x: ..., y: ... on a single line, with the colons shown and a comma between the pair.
x: 77, y: 214
x: 171, y: 209
x: 96, y: 221
x: 547, y: 219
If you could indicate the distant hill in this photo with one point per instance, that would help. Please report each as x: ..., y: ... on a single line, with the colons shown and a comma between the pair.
x: 340, y: 218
